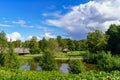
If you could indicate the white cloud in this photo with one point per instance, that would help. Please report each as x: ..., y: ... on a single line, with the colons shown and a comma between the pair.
x: 14, y: 36
x: 55, y: 14
x: 47, y: 35
x: 19, y: 22
x: 97, y: 14
x: 4, y: 25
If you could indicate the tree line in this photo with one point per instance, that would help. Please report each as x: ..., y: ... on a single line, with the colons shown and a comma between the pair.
x: 55, y: 45
x: 96, y: 41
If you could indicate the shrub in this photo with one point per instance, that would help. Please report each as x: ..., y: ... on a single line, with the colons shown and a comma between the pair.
x: 91, y: 58
x: 76, y: 66
x: 108, y: 63
x: 48, y: 62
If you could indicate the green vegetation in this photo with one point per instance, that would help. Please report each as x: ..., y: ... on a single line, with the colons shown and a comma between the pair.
x: 8, y: 58
x: 100, y: 49
x: 47, y: 61
x: 54, y: 75
x: 76, y: 66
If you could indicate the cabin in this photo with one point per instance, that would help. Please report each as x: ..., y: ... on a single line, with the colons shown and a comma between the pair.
x: 22, y: 51
x: 66, y: 50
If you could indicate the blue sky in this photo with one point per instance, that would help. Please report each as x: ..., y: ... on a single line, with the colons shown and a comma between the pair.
x: 22, y: 19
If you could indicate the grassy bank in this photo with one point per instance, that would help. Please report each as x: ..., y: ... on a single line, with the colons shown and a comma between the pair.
x: 58, y: 56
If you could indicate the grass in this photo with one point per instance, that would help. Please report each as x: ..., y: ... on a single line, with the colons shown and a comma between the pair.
x: 58, y: 56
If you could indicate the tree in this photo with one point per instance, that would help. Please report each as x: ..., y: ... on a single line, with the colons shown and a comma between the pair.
x: 34, y: 49
x: 17, y: 43
x: 48, y: 62
x: 43, y: 44
x: 53, y: 45
x: 10, y: 57
x: 83, y: 45
x: 3, y: 41
x: 71, y: 45
x: 59, y: 40
x: 77, y: 45
x: 97, y: 41
x: 3, y: 47
x: 26, y: 44
x: 7, y: 56
x: 114, y: 39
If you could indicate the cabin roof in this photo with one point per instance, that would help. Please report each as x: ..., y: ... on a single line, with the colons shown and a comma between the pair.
x: 66, y: 50
x: 22, y: 50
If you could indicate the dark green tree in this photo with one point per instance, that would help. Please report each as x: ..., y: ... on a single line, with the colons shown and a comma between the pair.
x: 114, y: 39
x: 83, y: 45
x: 71, y: 45
x: 59, y: 40
x: 7, y: 56
x: 34, y: 46
x: 43, y: 44
x: 17, y: 43
x: 97, y: 41
x: 77, y: 45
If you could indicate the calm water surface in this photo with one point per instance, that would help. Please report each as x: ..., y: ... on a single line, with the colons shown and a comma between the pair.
x: 62, y: 67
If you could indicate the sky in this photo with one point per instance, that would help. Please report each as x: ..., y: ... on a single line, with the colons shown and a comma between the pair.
x: 22, y: 19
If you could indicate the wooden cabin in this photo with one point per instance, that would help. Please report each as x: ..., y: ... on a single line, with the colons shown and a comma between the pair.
x: 22, y: 51
x: 66, y: 50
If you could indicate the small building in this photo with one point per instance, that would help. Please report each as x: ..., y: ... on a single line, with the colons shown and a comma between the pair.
x: 66, y: 50
x: 22, y: 51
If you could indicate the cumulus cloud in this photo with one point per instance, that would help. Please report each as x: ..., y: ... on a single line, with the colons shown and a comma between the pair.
x: 84, y: 18
x: 14, y: 36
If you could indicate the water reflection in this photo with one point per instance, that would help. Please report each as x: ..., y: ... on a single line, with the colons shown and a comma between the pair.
x: 63, y: 67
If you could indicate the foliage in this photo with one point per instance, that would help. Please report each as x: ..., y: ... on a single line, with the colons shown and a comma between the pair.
x: 7, y: 56
x: 53, y: 45
x: 91, y: 58
x: 76, y: 66
x: 10, y: 58
x: 33, y: 43
x: 48, y: 62
x: 108, y: 63
x: 97, y: 41
x: 17, y: 43
x: 6, y: 74
x: 35, y: 51
x: 114, y: 39
x: 71, y: 45
x: 43, y: 44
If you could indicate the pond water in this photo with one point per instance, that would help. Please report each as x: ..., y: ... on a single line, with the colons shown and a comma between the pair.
x: 62, y: 67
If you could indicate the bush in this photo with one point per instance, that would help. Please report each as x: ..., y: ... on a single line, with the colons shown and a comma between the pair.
x: 76, y: 66
x: 91, y: 58
x: 47, y: 61
x: 108, y: 63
